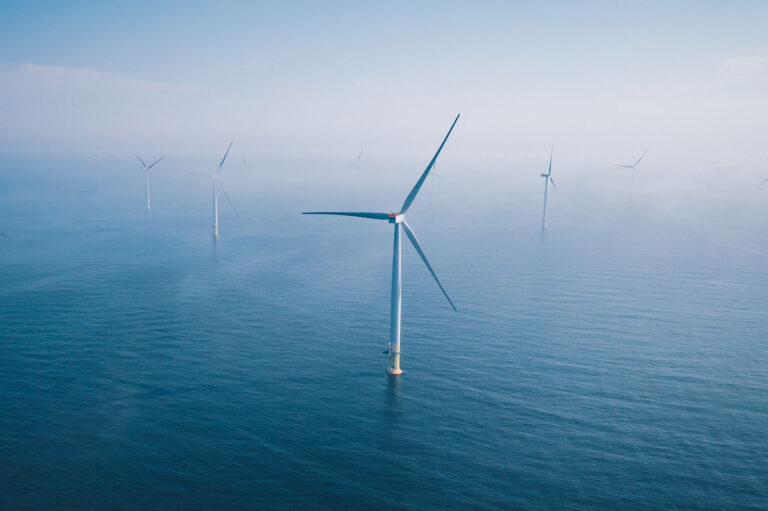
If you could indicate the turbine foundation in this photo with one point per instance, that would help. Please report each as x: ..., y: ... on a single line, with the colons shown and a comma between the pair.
x: 394, y: 360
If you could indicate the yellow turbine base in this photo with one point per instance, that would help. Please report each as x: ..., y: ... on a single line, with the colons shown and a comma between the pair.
x: 395, y: 371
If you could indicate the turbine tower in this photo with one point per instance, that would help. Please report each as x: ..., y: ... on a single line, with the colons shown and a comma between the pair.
x: 215, y: 182
x: 399, y: 223
x: 547, y: 179
x: 146, y: 168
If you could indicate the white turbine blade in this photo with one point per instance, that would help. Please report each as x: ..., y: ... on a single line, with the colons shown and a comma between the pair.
x: 412, y: 237
x: 415, y: 191
x: 225, y: 156
x: 638, y: 160
x: 144, y: 165
x: 553, y: 183
x: 375, y: 216
x: 227, y: 196
x: 155, y: 162
x: 625, y: 166
x: 551, y: 149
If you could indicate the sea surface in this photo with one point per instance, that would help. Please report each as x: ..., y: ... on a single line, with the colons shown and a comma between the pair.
x: 610, y: 364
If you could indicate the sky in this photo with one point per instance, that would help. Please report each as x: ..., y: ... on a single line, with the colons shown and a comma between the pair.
x: 603, y: 80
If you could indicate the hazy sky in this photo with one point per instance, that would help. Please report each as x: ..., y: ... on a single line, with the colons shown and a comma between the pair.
x: 688, y: 79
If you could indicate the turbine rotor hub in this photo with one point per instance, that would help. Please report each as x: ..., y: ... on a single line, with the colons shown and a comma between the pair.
x: 396, y: 218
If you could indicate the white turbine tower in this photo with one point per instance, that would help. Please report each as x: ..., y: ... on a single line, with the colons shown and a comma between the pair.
x: 398, y: 220
x: 146, y: 168
x: 547, y: 179
x: 214, y: 183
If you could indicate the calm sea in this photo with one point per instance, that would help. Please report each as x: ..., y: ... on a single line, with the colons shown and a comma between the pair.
x: 604, y: 365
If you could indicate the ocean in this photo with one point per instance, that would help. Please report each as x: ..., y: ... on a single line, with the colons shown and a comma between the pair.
x: 609, y: 363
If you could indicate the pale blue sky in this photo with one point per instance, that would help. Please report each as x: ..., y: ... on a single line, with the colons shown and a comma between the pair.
x: 321, y: 77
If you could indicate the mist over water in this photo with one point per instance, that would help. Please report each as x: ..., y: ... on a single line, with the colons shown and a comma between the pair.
x: 616, y: 361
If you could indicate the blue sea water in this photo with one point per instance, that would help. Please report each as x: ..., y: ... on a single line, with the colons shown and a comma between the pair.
x: 606, y: 365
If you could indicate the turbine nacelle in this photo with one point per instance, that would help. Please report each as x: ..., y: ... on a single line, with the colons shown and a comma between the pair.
x: 545, y: 175
x: 395, y: 218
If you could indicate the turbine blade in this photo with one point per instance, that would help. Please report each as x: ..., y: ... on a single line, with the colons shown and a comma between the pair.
x: 225, y: 156
x: 761, y: 184
x: 415, y: 190
x: 638, y: 160
x: 375, y: 216
x: 416, y: 245
x: 553, y: 183
x: 625, y: 166
x: 551, y: 149
x: 227, y: 196
x: 140, y: 160
x: 155, y: 162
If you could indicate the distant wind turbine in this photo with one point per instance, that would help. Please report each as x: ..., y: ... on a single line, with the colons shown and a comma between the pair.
x: 547, y: 179
x: 98, y: 170
x: 146, y: 168
x: 633, y: 167
x: 432, y: 182
x: 398, y: 220
x: 215, y: 181
x: 357, y: 161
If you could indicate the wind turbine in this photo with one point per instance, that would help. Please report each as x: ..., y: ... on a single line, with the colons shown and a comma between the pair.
x: 146, y: 168
x: 432, y: 179
x: 398, y: 220
x: 98, y: 171
x: 214, y: 183
x: 547, y: 179
x: 633, y: 167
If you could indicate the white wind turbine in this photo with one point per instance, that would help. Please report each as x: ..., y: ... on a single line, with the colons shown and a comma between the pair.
x: 214, y: 183
x: 398, y: 220
x: 432, y: 177
x: 357, y: 160
x: 146, y: 168
x: 633, y: 167
x: 547, y: 179
x: 98, y: 171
